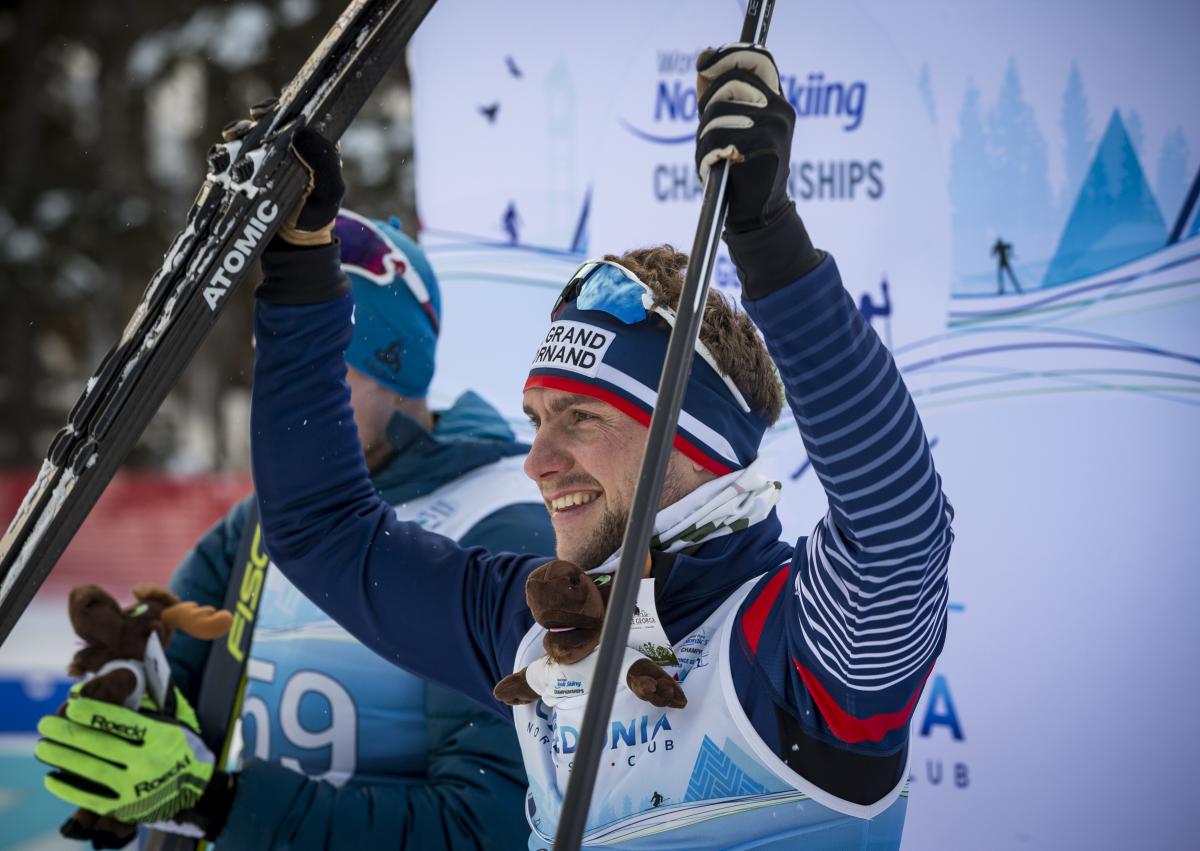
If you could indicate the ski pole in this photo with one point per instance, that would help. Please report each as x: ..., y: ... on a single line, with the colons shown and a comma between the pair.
x: 671, y: 387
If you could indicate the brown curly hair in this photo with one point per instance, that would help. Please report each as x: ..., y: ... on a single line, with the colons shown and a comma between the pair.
x: 726, y: 330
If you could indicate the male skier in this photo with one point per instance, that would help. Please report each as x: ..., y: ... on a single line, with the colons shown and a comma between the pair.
x: 344, y: 750
x: 1003, y: 251
x: 801, y: 664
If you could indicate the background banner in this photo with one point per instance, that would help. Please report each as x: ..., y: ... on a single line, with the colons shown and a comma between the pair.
x: 1006, y: 190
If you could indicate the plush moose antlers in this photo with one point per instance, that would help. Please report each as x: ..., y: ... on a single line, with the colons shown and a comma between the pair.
x: 202, y: 622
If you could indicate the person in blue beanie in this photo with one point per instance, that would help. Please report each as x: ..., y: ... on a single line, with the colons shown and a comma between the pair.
x: 343, y: 749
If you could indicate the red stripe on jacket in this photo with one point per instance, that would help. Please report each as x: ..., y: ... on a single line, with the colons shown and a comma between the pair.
x: 849, y: 728
x: 755, y: 616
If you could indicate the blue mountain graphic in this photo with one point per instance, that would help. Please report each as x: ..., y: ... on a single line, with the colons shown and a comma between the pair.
x: 1115, y: 218
x: 717, y: 775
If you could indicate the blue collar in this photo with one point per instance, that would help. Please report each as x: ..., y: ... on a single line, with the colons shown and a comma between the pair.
x: 469, y: 434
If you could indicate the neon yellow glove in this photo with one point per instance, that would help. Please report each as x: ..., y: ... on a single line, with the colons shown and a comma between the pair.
x: 137, y: 767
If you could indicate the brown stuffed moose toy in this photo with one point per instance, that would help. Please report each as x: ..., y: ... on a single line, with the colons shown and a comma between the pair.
x: 570, y: 604
x: 115, y: 655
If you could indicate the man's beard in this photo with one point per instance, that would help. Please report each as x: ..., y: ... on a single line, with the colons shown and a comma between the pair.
x: 603, y: 541
x: 606, y: 539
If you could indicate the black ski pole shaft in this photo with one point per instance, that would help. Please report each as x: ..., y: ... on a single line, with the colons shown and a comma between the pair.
x: 671, y: 388
x: 1189, y: 207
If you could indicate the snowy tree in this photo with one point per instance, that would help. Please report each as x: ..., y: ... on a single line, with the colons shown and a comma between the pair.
x: 999, y: 182
x: 971, y: 186
x: 1076, y: 124
x: 1173, y: 175
x: 1023, y: 208
x: 109, y: 109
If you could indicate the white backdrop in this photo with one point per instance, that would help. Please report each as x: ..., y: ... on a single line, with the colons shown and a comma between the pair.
x: 1064, y: 416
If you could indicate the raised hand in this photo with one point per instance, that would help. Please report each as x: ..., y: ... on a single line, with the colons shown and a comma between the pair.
x: 744, y: 118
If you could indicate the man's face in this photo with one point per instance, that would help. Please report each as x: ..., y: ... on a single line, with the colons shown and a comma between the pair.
x: 585, y: 460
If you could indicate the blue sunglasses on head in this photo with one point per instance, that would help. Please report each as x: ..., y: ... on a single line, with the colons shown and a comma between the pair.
x: 611, y: 288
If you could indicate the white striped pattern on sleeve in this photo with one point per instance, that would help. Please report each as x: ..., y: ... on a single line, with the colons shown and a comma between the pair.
x: 872, y: 590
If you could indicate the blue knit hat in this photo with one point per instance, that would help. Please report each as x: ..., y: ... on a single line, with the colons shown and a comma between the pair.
x: 397, y: 305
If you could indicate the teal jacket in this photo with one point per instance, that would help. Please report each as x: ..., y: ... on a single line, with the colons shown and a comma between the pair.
x: 471, y: 793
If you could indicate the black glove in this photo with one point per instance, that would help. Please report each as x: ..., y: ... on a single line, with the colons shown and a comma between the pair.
x: 312, y: 220
x: 302, y: 265
x: 745, y: 118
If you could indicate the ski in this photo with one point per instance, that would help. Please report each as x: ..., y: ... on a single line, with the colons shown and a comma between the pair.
x: 253, y: 181
x: 223, y: 684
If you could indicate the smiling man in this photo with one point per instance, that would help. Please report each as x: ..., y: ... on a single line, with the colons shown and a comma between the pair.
x: 801, y: 662
x: 585, y: 452
x: 590, y: 390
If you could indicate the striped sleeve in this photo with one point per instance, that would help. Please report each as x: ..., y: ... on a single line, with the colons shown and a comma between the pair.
x: 865, y: 616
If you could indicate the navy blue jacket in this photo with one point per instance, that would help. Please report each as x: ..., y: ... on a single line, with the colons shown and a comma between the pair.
x: 837, y: 638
